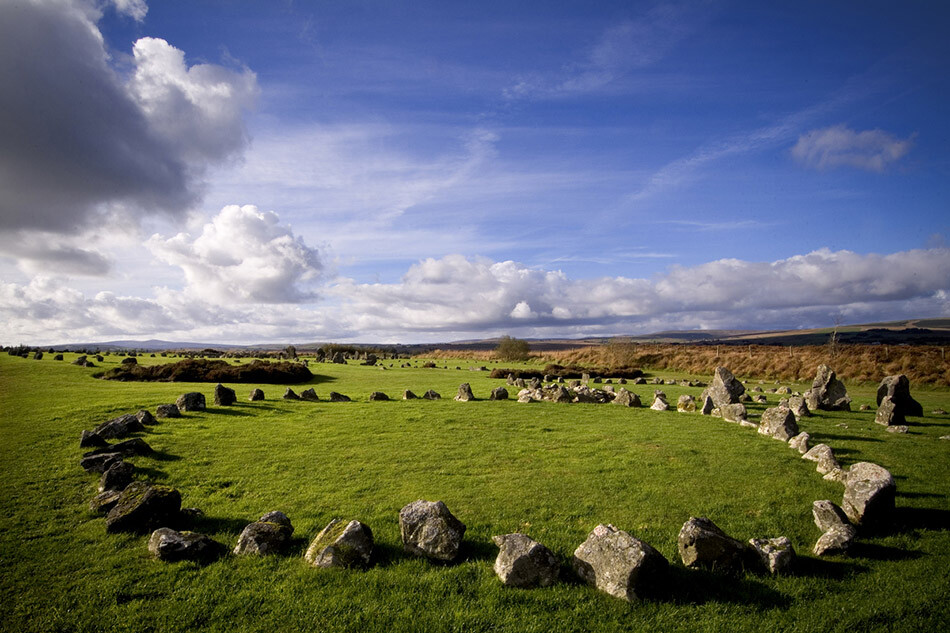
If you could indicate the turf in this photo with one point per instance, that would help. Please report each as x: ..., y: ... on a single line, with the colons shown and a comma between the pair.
x: 551, y: 471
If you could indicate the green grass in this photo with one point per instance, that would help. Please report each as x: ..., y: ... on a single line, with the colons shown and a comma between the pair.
x: 551, y: 471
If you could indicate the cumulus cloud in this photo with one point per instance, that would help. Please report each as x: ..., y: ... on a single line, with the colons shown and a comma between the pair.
x: 242, y: 255
x: 79, y: 142
x: 840, y: 146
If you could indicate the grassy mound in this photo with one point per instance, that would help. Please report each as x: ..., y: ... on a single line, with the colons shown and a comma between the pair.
x: 202, y: 370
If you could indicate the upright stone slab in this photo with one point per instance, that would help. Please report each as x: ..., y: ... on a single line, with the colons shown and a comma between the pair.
x: 888, y: 414
x: 827, y: 392
x: 778, y: 422
x: 869, y: 494
x: 341, y: 544
x: 290, y: 394
x: 256, y: 395
x: 724, y: 388
x: 464, y: 393
x: 498, y: 393
x: 619, y: 564
x: 224, y: 396
x: 523, y: 562
x: 898, y: 388
x: 702, y: 544
x: 686, y: 404
x: 428, y: 529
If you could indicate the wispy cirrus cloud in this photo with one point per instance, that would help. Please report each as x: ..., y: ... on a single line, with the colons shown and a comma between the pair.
x: 840, y: 146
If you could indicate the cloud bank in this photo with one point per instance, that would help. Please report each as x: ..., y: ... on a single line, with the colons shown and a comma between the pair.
x: 839, y: 146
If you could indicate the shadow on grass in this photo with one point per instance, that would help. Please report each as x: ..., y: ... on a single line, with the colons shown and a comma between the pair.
x: 871, y: 551
x: 164, y: 456
x: 810, y: 567
x: 151, y: 474
x: 822, y: 436
x: 227, y: 411
x: 217, y: 525
x: 912, y: 519
x: 920, y: 495
x: 696, y: 586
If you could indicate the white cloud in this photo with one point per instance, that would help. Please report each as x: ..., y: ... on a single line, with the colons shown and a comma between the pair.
x: 839, y: 146
x: 135, y: 9
x: 242, y: 255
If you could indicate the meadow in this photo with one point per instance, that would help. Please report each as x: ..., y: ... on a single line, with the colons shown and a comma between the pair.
x: 552, y: 471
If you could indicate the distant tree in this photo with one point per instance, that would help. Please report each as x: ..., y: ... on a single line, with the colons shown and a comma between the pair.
x: 512, y: 349
x: 290, y: 351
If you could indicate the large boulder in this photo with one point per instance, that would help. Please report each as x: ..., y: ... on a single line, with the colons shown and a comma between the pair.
x: 778, y: 422
x: 341, y: 544
x: 465, y: 393
x: 171, y: 546
x: 192, y: 401
x: 428, y: 529
x: 724, y: 388
x: 702, y: 544
x: 838, y: 532
x: 167, y: 411
x: 627, y: 399
x: 119, y: 427
x: 898, y: 389
x: 776, y: 554
x: 142, y: 507
x: 268, y: 535
x: 117, y: 476
x: 224, y: 396
x: 827, y: 392
x: 869, y: 492
x: 619, y: 564
x: 523, y: 562
x: 498, y: 393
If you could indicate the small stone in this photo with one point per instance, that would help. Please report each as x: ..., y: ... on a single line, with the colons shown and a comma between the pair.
x: 431, y: 395
x: 800, y: 442
x: 341, y: 544
x: 835, y: 541
x: 733, y: 412
x: 464, y: 393
x: 192, y: 401
x: 256, y: 395
x: 338, y: 397
x: 825, y: 457
x: 167, y: 411
x: 899, y: 428
x: 627, y: 399
x: 378, y: 396
x: 619, y: 564
x: 103, y: 502
x: 428, y: 529
x: 309, y: 394
x: 523, y: 562
x: 777, y: 554
x: 119, y: 427
x: 171, y: 546
x: 408, y: 395
x: 864, y: 407
x: 702, y: 544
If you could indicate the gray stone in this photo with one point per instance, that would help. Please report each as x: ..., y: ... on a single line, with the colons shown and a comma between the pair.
x: 888, y: 413
x: 778, y: 422
x: 171, y: 546
x: 119, y: 427
x: 619, y: 564
x: 338, y: 397
x: 898, y: 428
x: 224, y: 396
x: 708, y: 405
x: 465, y: 393
x: 290, y: 394
x: 627, y: 399
x: 408, y: 395
x: 523, y: 562
x: 686, y: 404
x: 724, y: 388
x: 835, y: 542
x: 145, y: 417
x: 378, y: 396
x: 898, y: 389
x: 341, y: 544
x: 117, y: 476
x: 825, y: 457
x: 798, y: 406
x: 702, y: 544
x: 498, y: 393
x: 829, y: 516
x: 256, y: 395
x: 733, y: 412
x: 143, y: 507
x: 827, y: 392
x: 91, y: 439
x: 99, y: 462
x: 269, y: 535
x: 431, y: 395
x: 800, y: 442
x: 167, y: 411
x: 869, y: 494
x: 428, y: 529
x: 558, y: 394
x: 192, y: 401
x: 776, y: 554
x: 310, y: 395
x: 134, y: 446
x: 659, y: 402
x: 103, y: 502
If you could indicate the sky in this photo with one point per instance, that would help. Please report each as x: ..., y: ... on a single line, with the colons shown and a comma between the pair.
x: 393, y: 171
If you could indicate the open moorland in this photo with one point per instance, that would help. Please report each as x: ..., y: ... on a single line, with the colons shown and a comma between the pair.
x: 551, y: 471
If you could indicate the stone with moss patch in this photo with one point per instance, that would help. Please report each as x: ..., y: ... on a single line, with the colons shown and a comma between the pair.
x: 143, y: 507
x: 341, y: 544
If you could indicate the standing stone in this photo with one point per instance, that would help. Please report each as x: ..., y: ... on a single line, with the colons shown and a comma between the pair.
x: 523, y: 562
x: 408, y: 395
x: 800, y: 442
x: 702, y: 544
x: 498, y: 393
x: 256, y: 395
x: 888, y: 413
x: 619, y: 564
x: 378, y: 396
x: 431, y: 395
x: 627, y: 399
x: 192, y: 401
x: 868, y: 494
x: 341, y: 544
x: 898, y: 388
x: 778, y: 422
x: 724, y: 389
x: 428, y: 529
x: 309, y: 394
x: 686, y: 404
x: 290, y: 394
x: 171, y: 546
x: 224, y: 396
x: 143, y: 507
x: 167, y: 411
x: 776, y: 554
x: 117, y: 477
x: 269, y: 535
x: 465, y: 393
x: 827, y: 392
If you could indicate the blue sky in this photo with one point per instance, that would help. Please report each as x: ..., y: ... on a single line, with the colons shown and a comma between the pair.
x: 412, y: 171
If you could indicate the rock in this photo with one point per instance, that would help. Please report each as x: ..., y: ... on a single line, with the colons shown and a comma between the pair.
x: 938, y: 412
x: 341, y: 544
x: 834, y: 542
x: 800, y: 442
x: 428, y: 529
x: 899, y: 428
x: 129, y: 361
x: 708, y: 405
x: 103, y: 502
x: 290, y: 394
x: 825, y: 457
x: 523, y: 562
x: 888, y: 413
x: 119, y: 427
x: 778, y: 422
x: 80, y: 360
x: 784, y: 390
x: 702, y: 544
x: 268, y: 535
x: 868, y: 494
x: 170, y: 546
x: 733, y: 412
x: 338, y: 397
x: 135, y: 446
x: 408, y: 395
x: 143, y: 507
x: 431, y: 395
x: 256, y: 395
x: 659, y: 402
x: 58, y: 357
x: 627, y: 399
x: 724, y: 389
x: 117, y: 476
x: 224, y: 396
x: 91, y: 439
x: 898, y: 389
x: 864, y: 407
x: 192, y: 401
x: 619, y: 564
x: 839, y: 475
x: 827, y: 392
x: 378, y: 396
x: 798, y: 406
x: 686, y: 404
x: 99, y: 462
x: 339, y: 358
x: 465, y: 393
x: 309, y: 394
x: 498, y: 393
x: 167, y: 411
x: 776, y: 554
x: 558, y: 394
x: 828, y: 516
x: 370, y: 360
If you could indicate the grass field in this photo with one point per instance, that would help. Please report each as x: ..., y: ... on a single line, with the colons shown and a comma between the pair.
x: 552, y: 471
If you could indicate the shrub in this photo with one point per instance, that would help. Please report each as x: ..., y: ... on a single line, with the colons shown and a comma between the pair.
x: 512, y: 349
x: 201, y: 370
